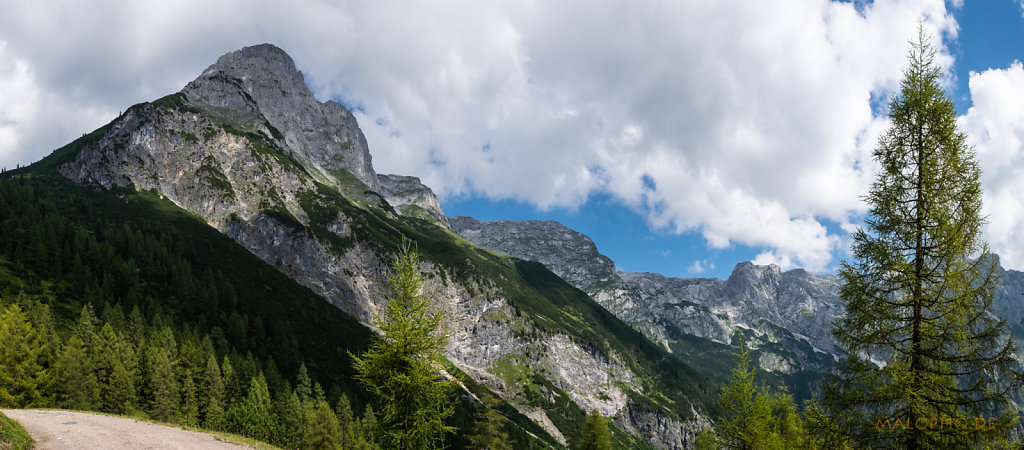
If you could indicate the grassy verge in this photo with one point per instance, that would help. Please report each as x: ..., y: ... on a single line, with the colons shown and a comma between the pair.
x: 12, y: 435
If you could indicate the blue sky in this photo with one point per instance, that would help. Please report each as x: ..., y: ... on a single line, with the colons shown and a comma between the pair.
x: 683, y: 137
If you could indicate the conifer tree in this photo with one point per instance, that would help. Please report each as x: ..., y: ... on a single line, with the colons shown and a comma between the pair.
x: 254, y: 414
x: 343, y: 410
x: 21, y: 375
x: 189, y: 399
x: 488, y: 431
x: 292, y: 418
x: 401, y: 369
x: 369, y: 425
x: 75, y: 378
x: 213, y: 412
x: 303, y: 385
x: 231, y: 390
x: 924, y: 350
x: 164, y: 385
x: 115, y: 369
x: 119, y: 394
x: 322, y: 427
x: 748, y: 412
x: 596, y: 435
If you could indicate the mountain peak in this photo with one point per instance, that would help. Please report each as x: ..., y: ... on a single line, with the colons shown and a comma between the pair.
x: 262, y: 65
x: 260, y: 87
x: 749, y: 280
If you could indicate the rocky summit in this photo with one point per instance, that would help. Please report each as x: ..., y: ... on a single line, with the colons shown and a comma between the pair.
x: 259, y: 87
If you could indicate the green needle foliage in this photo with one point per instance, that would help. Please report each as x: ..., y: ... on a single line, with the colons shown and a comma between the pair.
x: 596, y: 435
x: 21, y: 375
x: 401, y: 368
x: 927, y: 361
x: 754, y: 418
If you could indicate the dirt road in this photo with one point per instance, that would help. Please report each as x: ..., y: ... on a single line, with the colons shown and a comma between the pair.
x: 76, y: 430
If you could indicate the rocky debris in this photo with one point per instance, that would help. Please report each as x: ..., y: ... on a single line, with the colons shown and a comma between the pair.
x: 410, y: 197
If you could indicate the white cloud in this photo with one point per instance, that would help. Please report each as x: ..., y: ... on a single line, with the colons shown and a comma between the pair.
x: 747, y: 122
x: 700, y: 266
x: 995, y: 126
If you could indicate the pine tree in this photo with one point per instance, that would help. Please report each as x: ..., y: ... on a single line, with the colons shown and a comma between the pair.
x: 369, y: 426
x: 488, y: 431
x: 119, y: 396
x: 322, y: 427
x: 343, y: 410
x: 164, y: 404
x: 21, y: 375
x: 596, y: 435
x: 115, y: 372
x: 292, y: 417
x: 303, y: 385
x: 189, y: 399
x: 747, y: 421
x: 231, y: 390
x: 401, y: 369
x: 213, y: 411
x: 923, y: 347
x: 254, y: 416
x: 74, y: 377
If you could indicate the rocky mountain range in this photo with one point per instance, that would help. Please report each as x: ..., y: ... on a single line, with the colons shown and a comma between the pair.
x: 783, y: 317
x: 248, y: 148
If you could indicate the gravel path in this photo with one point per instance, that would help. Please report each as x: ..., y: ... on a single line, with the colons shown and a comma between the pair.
x: 76, y: 430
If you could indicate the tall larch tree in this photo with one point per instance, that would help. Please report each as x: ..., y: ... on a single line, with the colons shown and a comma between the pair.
x: 401, y: 369
x: 927, y: 361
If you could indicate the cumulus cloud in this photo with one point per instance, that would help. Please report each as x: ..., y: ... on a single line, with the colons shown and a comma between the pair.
x: 747, y: 122
x: 700, y: 266
x: 995, y: 126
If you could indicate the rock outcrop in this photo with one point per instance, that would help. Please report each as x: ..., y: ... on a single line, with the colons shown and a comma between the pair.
x: 568, y: 253
x: 410, y: 197
x: 259, y: 87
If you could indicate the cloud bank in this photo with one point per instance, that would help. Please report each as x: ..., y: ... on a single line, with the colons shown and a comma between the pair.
x: 749, y: 123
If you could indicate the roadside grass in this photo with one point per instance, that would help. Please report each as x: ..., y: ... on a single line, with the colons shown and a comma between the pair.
x: 13, y: 436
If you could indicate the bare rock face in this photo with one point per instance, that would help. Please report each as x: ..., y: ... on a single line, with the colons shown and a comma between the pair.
x: 410, y: 197
x: 569, y: 254
x: 788, y: 311
x: 259, y: 87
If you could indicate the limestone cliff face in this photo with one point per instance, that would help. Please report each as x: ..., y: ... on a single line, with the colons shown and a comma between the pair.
x: 259, y: 87
x: 570, y: 254
x: 410, y: 197
x: 248, y: 148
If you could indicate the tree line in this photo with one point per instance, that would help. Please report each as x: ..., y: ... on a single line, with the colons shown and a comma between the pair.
x: 127, y: 365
